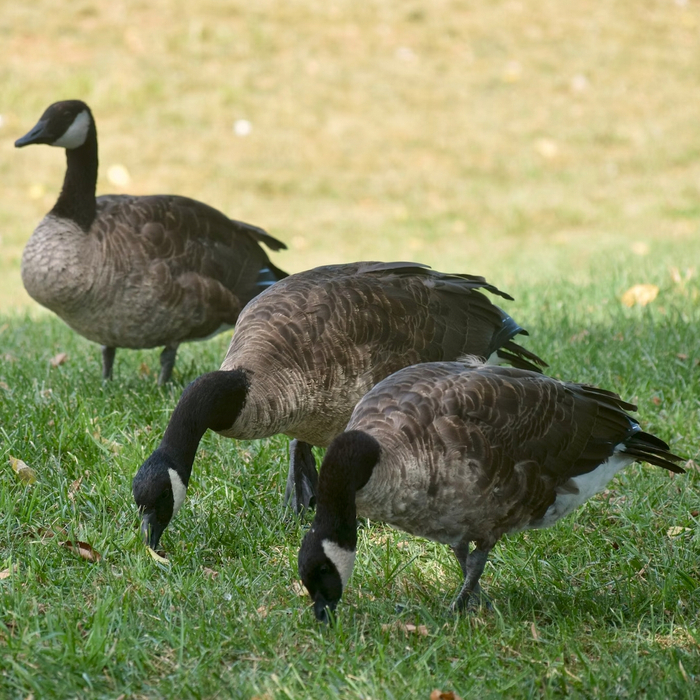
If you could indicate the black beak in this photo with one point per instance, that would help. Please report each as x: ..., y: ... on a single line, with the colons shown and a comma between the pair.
x: 36, y: 135
x: 323, y: 609
x: 151, y: 529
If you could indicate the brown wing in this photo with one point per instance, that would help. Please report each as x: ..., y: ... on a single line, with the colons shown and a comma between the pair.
x: 198, y: 266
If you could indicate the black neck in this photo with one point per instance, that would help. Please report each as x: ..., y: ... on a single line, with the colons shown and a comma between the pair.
x: 346, y: 468
x: 213, y: 401
x: 77, y: 198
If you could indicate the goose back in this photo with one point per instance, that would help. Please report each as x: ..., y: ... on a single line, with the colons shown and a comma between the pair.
x: 316, y: 342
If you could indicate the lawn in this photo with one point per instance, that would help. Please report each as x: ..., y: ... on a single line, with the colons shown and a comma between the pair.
x: 554, y: 150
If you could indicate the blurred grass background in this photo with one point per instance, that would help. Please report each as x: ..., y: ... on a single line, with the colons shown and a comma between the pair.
x: 523, y: 141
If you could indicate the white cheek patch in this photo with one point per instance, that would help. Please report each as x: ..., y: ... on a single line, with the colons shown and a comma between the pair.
x: 343, y: 559
x: 179, y: 490
x: 76, y: 133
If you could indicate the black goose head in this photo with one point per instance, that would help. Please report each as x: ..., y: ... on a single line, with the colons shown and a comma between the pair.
x: 159, y: 491
x: 212, y: 401
x: 325, y: 568
x: 64, y: 124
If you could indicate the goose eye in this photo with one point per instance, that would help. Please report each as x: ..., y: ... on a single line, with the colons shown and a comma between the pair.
x: 324, y: 569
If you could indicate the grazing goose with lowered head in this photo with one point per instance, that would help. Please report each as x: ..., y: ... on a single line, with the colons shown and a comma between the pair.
x: 462, y: 453
x: 305, y: 352
x: 136, y: 272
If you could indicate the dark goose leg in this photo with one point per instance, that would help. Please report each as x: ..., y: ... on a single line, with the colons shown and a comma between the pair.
x: 302, y: 480
x: 107, y: 361
x: 167, y: 362
x: 471, y: 595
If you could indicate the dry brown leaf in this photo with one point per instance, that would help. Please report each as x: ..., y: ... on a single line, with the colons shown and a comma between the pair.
x: 144, y: 370
x: 83, y: 550
x: 59, y: 359
x: 690, y: 464
x: 262, y: 611
x: 23, y: 470
x: 209, y: 573
x: 407, y: 628
x: 5, y: 386
x: 677, y: 530
x: 6, y: 573
x: 641, y: 294
x: 299, y: 588
x: 157, y: 557
x: 681, y: 356
x: 656, y: 400
x: 444, y: 695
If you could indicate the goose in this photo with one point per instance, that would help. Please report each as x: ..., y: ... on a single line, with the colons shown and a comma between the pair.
x: 136, y: 272
x: 305, y: 351
x: 460, y: 453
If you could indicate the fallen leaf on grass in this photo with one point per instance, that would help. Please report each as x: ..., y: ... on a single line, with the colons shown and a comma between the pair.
x: 690, y: 464
x: 73, y: 488
x: 262, y: 611
x: 641, y: 294
x: 5, y: 386
x: 6, y: 573
x: 298, y: 588
x: 23, y: 470
x: 677, y: 530
x: 444, y: 695
x: 656, y: 400
x: 407, y: 628
x: 83, y: 550
x: 59, y: 359
x: 209, y: 573
x: 144, y: 370
x: 157, y: 557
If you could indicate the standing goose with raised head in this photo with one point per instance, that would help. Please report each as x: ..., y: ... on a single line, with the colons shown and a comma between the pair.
x: 136, y: 272
x: 462, y: 454
x: 306, y: 351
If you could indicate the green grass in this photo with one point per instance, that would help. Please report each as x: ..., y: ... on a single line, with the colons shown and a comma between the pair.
x: 535, y: 143
x: 605, y: 604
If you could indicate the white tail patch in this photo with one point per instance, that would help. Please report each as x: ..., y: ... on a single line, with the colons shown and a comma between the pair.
x: 343, y: 559
x: 578, y: 490
x: 494, y: 359
x: 76, y: 133
x: 179, y: 490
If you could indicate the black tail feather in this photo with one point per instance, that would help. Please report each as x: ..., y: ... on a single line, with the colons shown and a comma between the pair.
x: 520, y: 358
x: 646, y: 447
